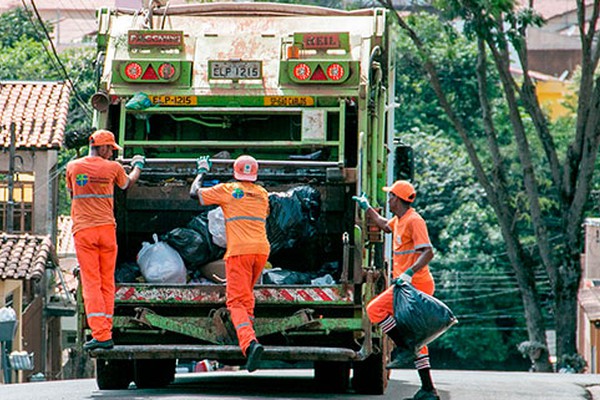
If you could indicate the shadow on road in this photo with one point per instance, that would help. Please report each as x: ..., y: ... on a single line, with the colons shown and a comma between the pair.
x: 236, y: 386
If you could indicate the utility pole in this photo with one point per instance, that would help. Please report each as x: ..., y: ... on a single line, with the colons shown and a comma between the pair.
x: 10, y: 205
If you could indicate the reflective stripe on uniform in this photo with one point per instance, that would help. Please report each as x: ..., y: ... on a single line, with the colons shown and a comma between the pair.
x: 90, y: 315
x: 243, y: 324
x: 240, y: 218
x: 397, y: 253
x: 93, y: 196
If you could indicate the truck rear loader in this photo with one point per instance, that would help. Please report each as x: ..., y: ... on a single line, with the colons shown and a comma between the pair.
x: 308, y: 92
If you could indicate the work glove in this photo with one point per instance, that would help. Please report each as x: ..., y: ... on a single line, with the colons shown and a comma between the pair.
x: 138, y: 161
x: 203, y: 164
x: 363, y: 201
x: 407, y: 275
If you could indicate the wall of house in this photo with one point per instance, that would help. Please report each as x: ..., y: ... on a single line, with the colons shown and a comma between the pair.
x: 43, y: 164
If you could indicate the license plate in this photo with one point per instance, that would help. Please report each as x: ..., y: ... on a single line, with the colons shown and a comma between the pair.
x: 289, y: 101
x: 174, y: 100
x: 235, y: 69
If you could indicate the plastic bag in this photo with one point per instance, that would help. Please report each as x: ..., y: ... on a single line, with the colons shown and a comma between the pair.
x: 160, y: 263
x: 7, y: 314
x: 420, y: 317
x: 196, y: 248
x: 216, y: 227
x: 293, y: 217
x: 278, y: 276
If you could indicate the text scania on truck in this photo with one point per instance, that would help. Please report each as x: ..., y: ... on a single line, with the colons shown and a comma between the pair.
x: 305, y: 90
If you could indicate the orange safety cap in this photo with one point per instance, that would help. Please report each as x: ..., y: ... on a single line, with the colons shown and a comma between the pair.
x: 245, y: 168
x: 103, y: 137
x: 402, y: 189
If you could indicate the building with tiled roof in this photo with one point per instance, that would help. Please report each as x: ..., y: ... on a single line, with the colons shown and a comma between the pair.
x: 33, y: 118
x: 555, y: 47
x: 25, y: 257
x: 38, y: 112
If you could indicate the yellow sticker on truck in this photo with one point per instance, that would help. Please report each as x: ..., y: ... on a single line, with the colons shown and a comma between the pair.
x: 174, y: 100
x: 289, y: 101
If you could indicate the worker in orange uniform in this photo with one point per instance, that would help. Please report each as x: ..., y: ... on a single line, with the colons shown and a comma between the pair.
x: 412, y: 252
x: 245, y: 208
x: 91, y: 181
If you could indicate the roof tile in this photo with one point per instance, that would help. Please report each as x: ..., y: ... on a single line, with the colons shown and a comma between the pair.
x: 39, y: 111
x: 24, y: 257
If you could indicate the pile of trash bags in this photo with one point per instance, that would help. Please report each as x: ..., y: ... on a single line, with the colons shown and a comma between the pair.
x: 292, y: 220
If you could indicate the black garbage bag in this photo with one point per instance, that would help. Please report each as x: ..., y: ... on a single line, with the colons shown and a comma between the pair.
x: 194, y: 246
x: 277, y: 276
x: 420, y: 317
x: 293, y: 217
x: 127, y: 272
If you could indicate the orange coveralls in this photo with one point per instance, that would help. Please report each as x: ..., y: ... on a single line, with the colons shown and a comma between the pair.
x: 91, y: 182
x: 245, y: 208
x: 409, y: 236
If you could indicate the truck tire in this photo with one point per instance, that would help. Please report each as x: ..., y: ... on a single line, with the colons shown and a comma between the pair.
x: 153, y: 374
x: 371, y: 376
x: 332, y: 377
x: 113, y: 374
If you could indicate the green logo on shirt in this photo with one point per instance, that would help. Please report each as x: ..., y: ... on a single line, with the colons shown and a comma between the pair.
x: 81, y: 179
x: 237, y: 193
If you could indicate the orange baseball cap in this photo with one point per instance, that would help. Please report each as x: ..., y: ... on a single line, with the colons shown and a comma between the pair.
x: 402, y: 189
x: 103, y: 137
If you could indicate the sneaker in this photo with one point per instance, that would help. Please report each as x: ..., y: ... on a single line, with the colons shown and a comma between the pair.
x: 426, y: 395
x: 97, y: 344
x: 254, y: 354
x: 400, y: 357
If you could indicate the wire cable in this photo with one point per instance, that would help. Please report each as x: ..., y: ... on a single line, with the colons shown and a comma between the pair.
x: 66, y: 76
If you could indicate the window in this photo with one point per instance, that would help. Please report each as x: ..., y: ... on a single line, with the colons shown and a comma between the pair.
x: 23, y: 189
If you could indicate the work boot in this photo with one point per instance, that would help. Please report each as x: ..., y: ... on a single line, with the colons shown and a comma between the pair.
x: 97, y: 344
x: 254, y: 353
x: 423, y: 394
x: 400, y: 357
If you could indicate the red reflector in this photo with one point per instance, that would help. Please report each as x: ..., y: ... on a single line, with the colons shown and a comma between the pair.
x: 150, y: 74
x: 133, y: 70
x: 302, y: 71
x: 319, y: 75
x: 166, y: 71
x: 335, y: 72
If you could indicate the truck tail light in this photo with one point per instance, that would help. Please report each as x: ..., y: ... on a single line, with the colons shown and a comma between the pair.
x: 302, y: 72
x: 166, y: 71
x: 335, y: 72
x: 133, y: 70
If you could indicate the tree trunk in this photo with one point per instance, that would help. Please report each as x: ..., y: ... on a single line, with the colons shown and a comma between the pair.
x: 565, y: 307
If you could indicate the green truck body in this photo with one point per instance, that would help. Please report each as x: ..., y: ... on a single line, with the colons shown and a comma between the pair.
x: 307, y: 92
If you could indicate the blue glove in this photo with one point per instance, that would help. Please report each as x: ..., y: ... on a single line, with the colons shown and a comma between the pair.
x: 407, y: 275
x: 138, y: 161
x: 363, y: 201
x: 203, y: 164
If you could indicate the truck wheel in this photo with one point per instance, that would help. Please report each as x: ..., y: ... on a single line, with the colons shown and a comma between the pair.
x: 153, y: 374
x: 331, y: 376
x: 371, y: 376
x: 113, y: 374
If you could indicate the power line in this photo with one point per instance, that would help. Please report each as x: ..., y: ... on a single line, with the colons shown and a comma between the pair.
x: 78, y: 97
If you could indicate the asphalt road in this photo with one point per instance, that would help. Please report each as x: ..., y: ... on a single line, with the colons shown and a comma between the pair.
x: 297, y: 385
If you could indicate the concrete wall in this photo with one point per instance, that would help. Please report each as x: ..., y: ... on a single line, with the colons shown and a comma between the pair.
x: 43, y: 164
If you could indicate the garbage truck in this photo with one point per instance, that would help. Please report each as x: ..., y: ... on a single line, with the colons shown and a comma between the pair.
x: 308, y: 92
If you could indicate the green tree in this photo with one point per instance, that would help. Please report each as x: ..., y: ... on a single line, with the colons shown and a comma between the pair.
x: 25, y: 54
x: 540, y: 195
